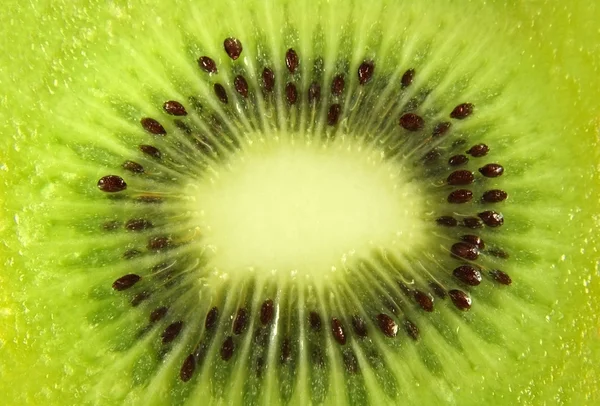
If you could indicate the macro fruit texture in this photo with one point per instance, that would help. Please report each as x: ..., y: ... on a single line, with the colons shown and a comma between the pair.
x: 138, y: 140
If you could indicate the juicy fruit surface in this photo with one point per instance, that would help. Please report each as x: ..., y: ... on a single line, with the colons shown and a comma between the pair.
x: 57, y: 146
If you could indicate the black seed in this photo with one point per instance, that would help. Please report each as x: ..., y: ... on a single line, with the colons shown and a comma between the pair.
x: 460, y: 177
x: 138, y: 224
x: 460, y: 196
x: 441, y: 129
x: 424, y: 300
x: 491, y: 170
x: 291, y: 93
x: 187, y: 369
x: 333, y: 114
x: 411, y: 329
x: 314, y: 92
x: 478, y: 150
x: 233, y: 47
x: 387, y: 325
x: 337, y: 85
x: 474, y: 240
x: 359, y: 325
x: 498, y: 253
x: 171, y: 332
x: 460, y: 299
x: 158, y: 243
x: 472, y: 222
x: 338, y: 331
x: 447, y: 221
x: 468, y: 274
x: 126, y: 281
x: 431, y: 156
x: 111, y: 225
x: 411, y: 122
x: 241, y: 85
x: 501, y: 277
x: 285, y: 354
x: 268, y: 77
x: 240, y: 322
x: 207, y: 64
x: 221, y: 93
x: 350, y: 362
x: 465, y: 250
x: 407, y: 78
x: 139, y: 298
x: 174, y: 108
x: 153, y: 126
x: 158, y: 313
x: 315, y: 321
x: 494, y: 196
x: 129, y: 254
x: 151, y: 151
x: 266, y: 312
x: 462, y: 111
x: 227, y: 348
x: 365, y: 71
x: 133, y: 167
x: 458, y: 160
x: 491, y: 218
x: 112, y: 184
x: 291, y: 60
x: 211, y: 318
x: 438, y: 289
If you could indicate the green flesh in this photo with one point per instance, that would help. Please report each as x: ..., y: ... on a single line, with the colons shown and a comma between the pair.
x: 72, y: 114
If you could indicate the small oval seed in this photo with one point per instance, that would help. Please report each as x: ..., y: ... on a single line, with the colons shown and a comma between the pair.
x: 233, y: 47
x: 153, y: 126
x: 221, y: 93
x: 472, y: 222
x: 333, y: 114
x: 478, y: 150
x: 266, y: 312
x: 458, y: 160
x: 462, y: 111
x: 338, y: 331
x: 460, y: 177
x: 460, y: 299
x: 424, y: 300
x: 112, y: 184
x: 138, y: 224
x: 460, y: 196
x: 411, y: 122
x: 291, y: 93
x: 337, y: 85
x: 211, y: 318
x: 474, y: 239
x: 447, y: 221
x: 240, y: 322
x: 491, y: 218
x: 411, y: 329
x: 133, y: 167
x: 174, y: 108
x: 359, y: 325
x: 151, y: 151
x: 268, y: 77
x: 468, y: 274
x: 501, y: 277
x: 494, y: 196
x: 441, y: 129
x: 465, y: 250
x: 407, y: 78
x: 207, y: 64
x: 241, y: 85
x: 291, y: 60
x: 491, y: 170
x: 387, y: 325
x: 158, y: 314
x: 187, y: 369
x: 365, y: 72
x: 227, y: 348
x: 171, y: 332
x: 126, y: 281
x: 315, y: 321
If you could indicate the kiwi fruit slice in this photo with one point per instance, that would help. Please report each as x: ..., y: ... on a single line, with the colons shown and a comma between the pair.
x: 310, y: 202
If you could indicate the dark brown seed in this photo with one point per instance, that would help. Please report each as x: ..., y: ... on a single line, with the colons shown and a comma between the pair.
x: 501, y: 277
x: 187, y: 369
x: 438, y: 289
x: 207, y: 64
x: 447, y: 221
x: 387, y: 325
x: 291, y: 60
x: 233, y: 47
x: 151, y: 151
x: 133, y: 167
x: 285, y: 355
x: 465, y: 250
x: 221, y: 93
x: 460, y: 177
x: 458, y: 160
x: 241, y: 85
x: 171, y: 332
x: 174, y: 108
x: 338, y: 331
x: 462, y: 111
x: 407, y: 78
x: 359, y: 325
x: 460, y: 196
x: 315, y: 321
x: 365, y: 72
x: 158, y: 313
x: 268, y: 77
x: 227, y: 348
x: 472, y: 222
x: 411, y: 329
x: 333, y: 114
x: 491, y: 218
x: 138, y: 224
x: 460, y: 299
x: 424, y: 300
x: 473, y: 239
x: 350, y: 362
x: 499, y: 253
x: 211, y: 318
x: 130, y: 254
x: 153, y: 126
x: 126, y: 281
x: 494, y: 196
x: 431, y: 156
x: 411, y: 122
x: 111, y: 225
x: 266, y: 312
x: 478, y: 150
x: 491, y: 170
x: 291, y: 93
x: 314, y: 92
x: 240, y: 321
x: 441, y: 129
x: 468, y: 274
x: 158, y: 243
x: 139, y: 298
x: 337, y: 85
x: 112, y: 184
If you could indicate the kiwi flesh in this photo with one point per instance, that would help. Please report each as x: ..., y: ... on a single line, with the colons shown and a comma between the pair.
x: 300, y: 202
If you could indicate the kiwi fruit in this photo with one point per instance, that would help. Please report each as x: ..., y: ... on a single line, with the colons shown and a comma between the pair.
x: 299, y: 202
